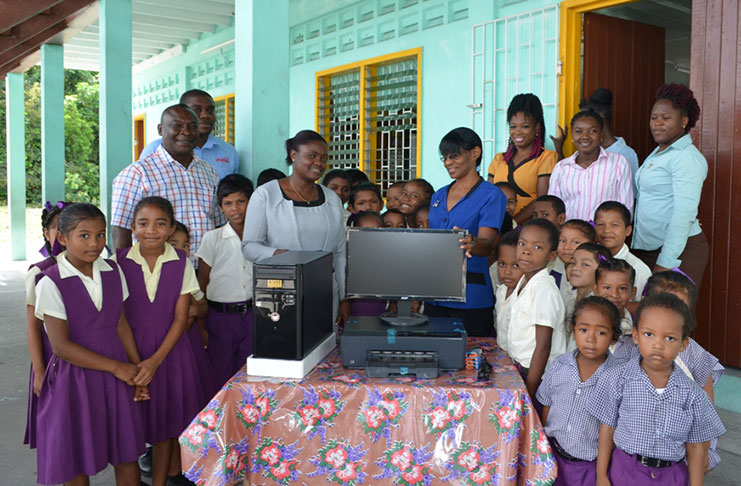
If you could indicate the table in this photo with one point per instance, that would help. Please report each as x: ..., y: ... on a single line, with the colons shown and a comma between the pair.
x: 337, y: 426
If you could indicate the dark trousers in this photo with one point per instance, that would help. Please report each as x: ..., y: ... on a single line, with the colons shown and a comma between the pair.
x: 694, y: 257
x: 478, y: 322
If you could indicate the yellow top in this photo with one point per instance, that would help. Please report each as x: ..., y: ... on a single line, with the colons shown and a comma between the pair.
x: 152, y: 277
x: 524, y: 176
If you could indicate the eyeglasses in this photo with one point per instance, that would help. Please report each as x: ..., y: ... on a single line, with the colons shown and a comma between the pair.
x: 454, y: 156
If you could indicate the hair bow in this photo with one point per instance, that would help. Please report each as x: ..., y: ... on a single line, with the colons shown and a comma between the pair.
x: 592, y: 223
x: 59, y: 204
x: 602, y: 257
x: 676, y: 269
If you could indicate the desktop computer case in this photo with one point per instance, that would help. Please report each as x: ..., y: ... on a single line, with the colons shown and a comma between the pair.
x: 292, y: 304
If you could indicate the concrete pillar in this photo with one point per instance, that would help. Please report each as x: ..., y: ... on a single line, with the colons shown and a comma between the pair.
x: 16, y: 147
x: 261, y: 83
x: 52, y: 123
x: 116, y: 139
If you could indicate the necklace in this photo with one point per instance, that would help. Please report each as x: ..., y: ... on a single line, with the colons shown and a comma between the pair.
x: 298, y: 193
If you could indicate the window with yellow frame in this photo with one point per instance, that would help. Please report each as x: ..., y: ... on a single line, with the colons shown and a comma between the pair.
x: 224, y: 111
x: 369, y: 112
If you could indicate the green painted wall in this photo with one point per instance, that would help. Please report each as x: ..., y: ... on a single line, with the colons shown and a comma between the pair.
x: 344, y: 31
x: 161, y: 86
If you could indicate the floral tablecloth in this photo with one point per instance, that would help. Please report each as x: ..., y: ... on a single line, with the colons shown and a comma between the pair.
x: 337, y: 426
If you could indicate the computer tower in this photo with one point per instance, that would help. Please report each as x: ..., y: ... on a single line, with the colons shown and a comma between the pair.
x: 292, y: 303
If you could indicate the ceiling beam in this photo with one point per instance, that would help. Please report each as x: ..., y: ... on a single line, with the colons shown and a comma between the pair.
x: 197, y: 5
x: 36, y: 25
x: 182, y: 13
x: 13, y: 57
x: 15, y: 12
x: 186, y: 26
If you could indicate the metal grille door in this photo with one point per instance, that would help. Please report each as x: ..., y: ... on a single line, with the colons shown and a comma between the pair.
x: 511, y: 55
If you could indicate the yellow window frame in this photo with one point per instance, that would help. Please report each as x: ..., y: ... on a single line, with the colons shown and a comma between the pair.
x: 364, y: 141
x: 227, y: 118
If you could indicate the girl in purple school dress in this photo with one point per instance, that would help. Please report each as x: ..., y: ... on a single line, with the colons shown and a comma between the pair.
x: 87, y: 417
x: 161, y: 280
x: 39, y: 349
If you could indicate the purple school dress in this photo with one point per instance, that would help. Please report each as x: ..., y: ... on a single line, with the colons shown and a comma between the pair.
x: 205, y: 369
x: 30, y: 435
x: 176, y: 391
x: 87, y: 418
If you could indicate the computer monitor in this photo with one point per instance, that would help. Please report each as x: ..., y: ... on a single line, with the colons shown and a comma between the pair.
x: 405, y: 265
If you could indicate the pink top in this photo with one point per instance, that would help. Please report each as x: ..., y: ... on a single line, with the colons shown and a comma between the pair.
x: 608, y: 178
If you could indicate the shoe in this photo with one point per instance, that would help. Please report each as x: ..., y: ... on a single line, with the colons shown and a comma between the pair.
x: 145, y: 463
x: 179, y: 480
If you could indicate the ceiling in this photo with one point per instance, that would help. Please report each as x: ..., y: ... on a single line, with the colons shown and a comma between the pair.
x: 157, y: 26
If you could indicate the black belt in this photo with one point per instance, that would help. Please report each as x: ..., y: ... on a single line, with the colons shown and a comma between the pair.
x: 236, y: 308
x: 557, y: 447
x: 653, y: 462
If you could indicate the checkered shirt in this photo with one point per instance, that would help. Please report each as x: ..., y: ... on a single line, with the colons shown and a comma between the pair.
x: 191, y: 191
x: 652, y: 424
x: 700, y: 363
x: 568, y: 420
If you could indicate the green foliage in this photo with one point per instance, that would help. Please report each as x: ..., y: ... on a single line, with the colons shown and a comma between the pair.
x: 80, y: 130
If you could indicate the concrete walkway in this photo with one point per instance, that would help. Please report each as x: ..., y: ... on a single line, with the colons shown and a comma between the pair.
x: 18, y: 463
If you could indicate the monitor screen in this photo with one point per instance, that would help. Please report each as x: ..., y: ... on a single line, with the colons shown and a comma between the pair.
x: 393, y: 263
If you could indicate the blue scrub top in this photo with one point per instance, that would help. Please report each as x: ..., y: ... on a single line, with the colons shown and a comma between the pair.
x: 483, y: 206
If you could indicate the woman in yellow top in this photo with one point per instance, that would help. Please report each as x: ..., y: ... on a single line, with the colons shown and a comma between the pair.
x: 526, y: 164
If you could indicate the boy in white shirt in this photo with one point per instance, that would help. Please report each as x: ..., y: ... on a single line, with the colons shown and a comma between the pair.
x: 226, y: 278
x: 612, y: 224
x: 509, y: 274
x: 536, y: 333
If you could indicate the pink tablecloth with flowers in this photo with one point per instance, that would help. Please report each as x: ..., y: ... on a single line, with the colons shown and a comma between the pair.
x: 337, y: 426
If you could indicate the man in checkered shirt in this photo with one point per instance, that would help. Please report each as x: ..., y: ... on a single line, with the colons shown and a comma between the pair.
x: 174, y: 172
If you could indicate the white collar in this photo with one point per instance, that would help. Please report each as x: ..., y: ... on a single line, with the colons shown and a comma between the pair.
x: 623, y: 252
x: 67, y: 270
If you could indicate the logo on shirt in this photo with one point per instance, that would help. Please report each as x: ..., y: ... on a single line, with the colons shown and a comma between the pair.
x: 435, y: 204
x: 222, y: 159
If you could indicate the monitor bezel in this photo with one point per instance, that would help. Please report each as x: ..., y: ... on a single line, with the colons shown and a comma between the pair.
x: 458, y: 234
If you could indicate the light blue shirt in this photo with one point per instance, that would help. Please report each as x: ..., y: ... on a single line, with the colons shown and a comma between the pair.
x: 219, y: 154
x: 622, y: 148
x: 669, y: 188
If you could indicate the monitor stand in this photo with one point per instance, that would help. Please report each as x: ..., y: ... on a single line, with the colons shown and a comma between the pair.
x: 404, y: 317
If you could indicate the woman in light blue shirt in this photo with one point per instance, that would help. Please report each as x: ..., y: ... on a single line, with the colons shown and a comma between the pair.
x: 667, y: 233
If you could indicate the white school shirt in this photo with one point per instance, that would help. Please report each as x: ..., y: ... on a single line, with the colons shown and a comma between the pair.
x: 49, y: 298
x: 30, y: 284
x: 539, y: 303
x: 230, y: 279
x: 643, y: 273
x: 152, y: 277
x: 502, y: 306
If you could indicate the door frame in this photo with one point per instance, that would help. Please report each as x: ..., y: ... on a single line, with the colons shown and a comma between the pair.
x: 570, y: 52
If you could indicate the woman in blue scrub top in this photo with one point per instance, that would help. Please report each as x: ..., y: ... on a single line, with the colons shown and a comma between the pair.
x: 470, y: 203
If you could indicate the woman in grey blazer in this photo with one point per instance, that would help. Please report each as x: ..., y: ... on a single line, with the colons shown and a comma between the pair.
x: 295, y: 213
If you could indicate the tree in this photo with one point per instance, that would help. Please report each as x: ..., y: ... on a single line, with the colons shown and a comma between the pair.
x: 80, y: 130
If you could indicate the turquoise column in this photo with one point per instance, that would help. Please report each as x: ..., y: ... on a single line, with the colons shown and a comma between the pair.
x: 52, y: 123
x: 116, y: 138
x: 16, y: 147
x: 261, y: 83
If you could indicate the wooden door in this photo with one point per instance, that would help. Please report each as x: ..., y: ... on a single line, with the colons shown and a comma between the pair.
x: 138, y: 137
x: 715, y: 78
x: 628, y: 58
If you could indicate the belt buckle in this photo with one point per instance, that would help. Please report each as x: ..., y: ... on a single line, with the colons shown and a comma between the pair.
x: 241, y: 308
x: 645, y: 462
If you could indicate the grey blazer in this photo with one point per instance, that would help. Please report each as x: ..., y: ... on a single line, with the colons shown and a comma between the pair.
x: 271, y: 225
